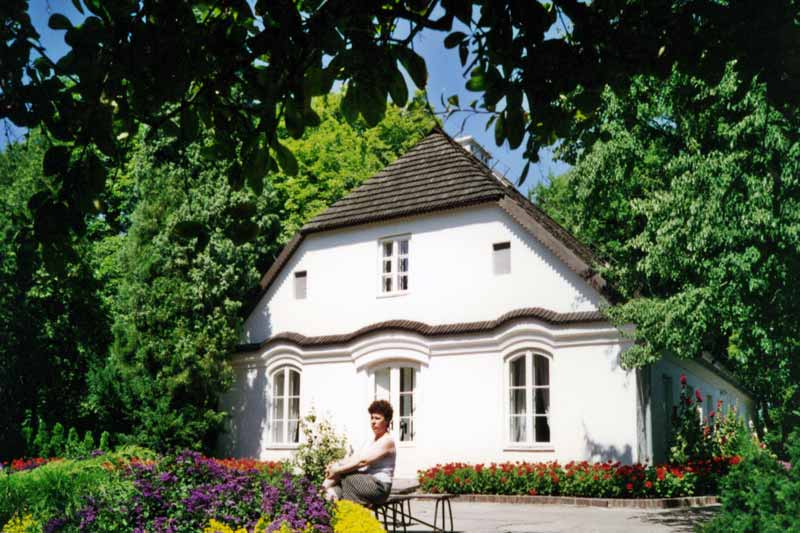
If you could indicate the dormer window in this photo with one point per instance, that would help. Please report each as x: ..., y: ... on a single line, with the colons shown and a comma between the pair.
x: 394, y: 265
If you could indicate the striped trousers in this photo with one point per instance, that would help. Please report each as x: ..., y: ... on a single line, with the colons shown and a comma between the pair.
x: 362, y: 489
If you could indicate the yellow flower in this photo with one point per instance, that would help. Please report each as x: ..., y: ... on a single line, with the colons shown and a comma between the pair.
x: 17, y: 524
x: 215, y: 526
x: 350, y: 517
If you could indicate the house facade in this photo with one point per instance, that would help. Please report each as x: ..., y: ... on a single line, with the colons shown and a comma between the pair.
x: 437, y: 286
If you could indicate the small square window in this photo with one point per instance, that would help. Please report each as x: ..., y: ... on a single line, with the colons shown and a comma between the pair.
x: 502, y: 257
x: 300, y: 285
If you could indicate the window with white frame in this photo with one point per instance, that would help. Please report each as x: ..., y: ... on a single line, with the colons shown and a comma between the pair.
x: 398, y: 386
x: 394, y: 265
x: 285, y: 406
x: 529, y: 399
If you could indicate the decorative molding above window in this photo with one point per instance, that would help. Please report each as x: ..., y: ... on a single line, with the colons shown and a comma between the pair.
x: 394, y: 265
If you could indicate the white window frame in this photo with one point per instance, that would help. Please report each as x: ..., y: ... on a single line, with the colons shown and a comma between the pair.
x: 283, y: 373
x: 530, y: 388
x: 394, y: 397
x: 394, y: 260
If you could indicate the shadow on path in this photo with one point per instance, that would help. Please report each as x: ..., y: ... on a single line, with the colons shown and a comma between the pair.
x: 681, y: 520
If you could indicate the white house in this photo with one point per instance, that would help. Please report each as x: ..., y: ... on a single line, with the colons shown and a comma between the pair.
x: 438, y: 286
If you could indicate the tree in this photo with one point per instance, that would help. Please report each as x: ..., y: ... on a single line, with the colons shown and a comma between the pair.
x: 190, y: 264
x: 53, y: 327
x: 693, y: 197
x: 239, y: 69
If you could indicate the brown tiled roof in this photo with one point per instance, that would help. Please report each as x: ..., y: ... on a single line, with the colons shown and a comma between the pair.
x: 435, y: 175
x: 460, y: 328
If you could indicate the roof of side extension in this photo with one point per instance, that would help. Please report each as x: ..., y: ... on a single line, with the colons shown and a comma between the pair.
x: 438, y: 174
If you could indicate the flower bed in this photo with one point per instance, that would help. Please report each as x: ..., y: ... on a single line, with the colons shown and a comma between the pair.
x: 580, y: 479
x: 185, y: 492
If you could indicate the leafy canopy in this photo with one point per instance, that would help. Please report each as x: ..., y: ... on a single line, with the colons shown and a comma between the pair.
x: 693, y: 196
x: 239, y: 69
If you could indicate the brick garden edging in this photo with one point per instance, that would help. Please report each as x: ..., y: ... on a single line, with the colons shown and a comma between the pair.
x: 637, y: 503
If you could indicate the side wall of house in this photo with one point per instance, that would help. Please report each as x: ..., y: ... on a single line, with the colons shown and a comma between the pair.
x: 665, y: 387
x: 451, y: 277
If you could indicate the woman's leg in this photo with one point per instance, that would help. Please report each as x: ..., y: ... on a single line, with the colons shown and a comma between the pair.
x: 332, y: 489
x: 363, y: 489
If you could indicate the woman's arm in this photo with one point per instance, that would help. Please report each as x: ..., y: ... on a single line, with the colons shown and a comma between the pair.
x: 362, y: 458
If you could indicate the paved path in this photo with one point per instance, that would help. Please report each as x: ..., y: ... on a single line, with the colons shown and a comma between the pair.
x: 517, y: 518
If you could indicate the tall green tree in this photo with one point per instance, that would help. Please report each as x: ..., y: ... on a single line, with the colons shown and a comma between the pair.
x: 693, y: 197
x: 189, y: 265
x: 53, y: 326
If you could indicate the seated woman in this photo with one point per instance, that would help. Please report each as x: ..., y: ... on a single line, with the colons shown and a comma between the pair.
x: 366, y: 477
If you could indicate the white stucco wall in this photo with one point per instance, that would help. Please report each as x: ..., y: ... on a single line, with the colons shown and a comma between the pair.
x: 698, y: 377
x: 461, y: 394
x: 451, y: 277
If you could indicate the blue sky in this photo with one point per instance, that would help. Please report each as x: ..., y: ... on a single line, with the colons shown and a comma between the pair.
x: 444, y: 79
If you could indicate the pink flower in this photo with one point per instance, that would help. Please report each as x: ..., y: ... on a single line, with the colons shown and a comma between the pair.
x: 699, y: 396
x: 683, y: 379
x: 629, y: 486
x: 711, y: 414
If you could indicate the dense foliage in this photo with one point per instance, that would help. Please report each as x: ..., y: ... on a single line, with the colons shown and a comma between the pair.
x: 722, y: 433
x: 238, y: 68
x: 692, y: 196
x: 584, y: 479
x: 762, y: 495
x: 319, y: 447
x: 133, y: 337
x: 184, y: 492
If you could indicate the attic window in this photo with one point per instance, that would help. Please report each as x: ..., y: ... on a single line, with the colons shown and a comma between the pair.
x: 502, y: 257
x: 394, y: 265
x: 300, y: 286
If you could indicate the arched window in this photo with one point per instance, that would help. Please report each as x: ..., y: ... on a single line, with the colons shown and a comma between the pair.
x: 398, y: 385
x: 285, y: 406
x: 529, y: 399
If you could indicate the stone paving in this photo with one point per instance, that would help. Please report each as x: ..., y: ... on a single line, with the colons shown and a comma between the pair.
x: 520, y: 518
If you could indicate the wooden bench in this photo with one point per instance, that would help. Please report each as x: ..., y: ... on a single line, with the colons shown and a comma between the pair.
x: 397, y: 511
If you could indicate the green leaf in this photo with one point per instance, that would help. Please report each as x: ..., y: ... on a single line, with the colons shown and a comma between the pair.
x: 499, y: 129
x: 235, y: 177
x: 524, y: 173
x: 78, y: 6
x: 286, y: 159
x: 453, y: 100
x: 477, y: 81
x: 188, y: 229
x: 454, y: 39
x: 349, y: 104
x: 294, y: 119
x: 372, y: 103
x: 257, y: 169
x: 190, y: 124
x: 56, y: 160
x: 58, y: 21
x: 242, y: 210
x: 414, y: 65
x: 515, y: 125
x: 398, y: 89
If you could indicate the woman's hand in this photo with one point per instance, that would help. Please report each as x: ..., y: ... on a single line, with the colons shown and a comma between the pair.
x: 330, y: 470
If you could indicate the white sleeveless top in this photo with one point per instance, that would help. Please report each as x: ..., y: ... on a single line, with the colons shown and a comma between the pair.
x: 382, y: 469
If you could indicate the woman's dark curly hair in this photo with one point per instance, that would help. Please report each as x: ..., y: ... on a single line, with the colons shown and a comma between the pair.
x: 382, y: 407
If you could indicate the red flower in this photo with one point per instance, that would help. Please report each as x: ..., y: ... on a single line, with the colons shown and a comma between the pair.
x: 629, y: 486
x: 648, y: 484
x: 661, y: 472
x: 532, y: 492
x: 683, y: 379
x: 711, y: 414
x: 735, y: 460
x: 698, y: 395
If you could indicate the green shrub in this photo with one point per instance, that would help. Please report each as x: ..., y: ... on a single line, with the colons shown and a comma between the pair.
x: 88, y: 442
x: 105, y: 441
x: 761, y: 494
x: 41, y: 443
x: 322, y: 446
x: 57, y: 488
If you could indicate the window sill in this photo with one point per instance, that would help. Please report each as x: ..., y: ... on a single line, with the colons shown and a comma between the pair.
x: 392, y: 294
x: 536, y: 448
x: 282, y: 446
x: 405, y: 444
